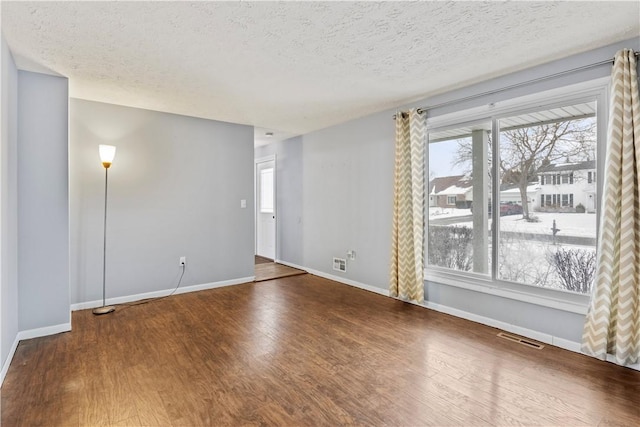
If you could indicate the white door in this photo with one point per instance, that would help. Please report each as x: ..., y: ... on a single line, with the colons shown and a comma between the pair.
x: 266, y: 208
x: 591, y: 202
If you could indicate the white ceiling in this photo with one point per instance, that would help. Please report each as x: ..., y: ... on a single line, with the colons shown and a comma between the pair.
x: 294, y: 67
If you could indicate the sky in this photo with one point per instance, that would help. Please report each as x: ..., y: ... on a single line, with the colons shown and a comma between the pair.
x: 441, y: 156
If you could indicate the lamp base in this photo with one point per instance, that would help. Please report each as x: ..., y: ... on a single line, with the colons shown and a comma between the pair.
x: 104, y: 309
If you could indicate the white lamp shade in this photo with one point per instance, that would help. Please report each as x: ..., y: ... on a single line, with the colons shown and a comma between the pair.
x: 107, y: 153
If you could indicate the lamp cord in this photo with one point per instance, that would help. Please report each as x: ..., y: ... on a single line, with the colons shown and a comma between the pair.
x: 145, y: 301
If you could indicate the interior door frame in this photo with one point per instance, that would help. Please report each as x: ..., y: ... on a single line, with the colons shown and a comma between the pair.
x: 256, y: 214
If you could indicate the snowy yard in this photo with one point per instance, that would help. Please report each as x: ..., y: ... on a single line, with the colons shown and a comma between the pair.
x: 570, y: 224
x: 438, y: 213
x: 529, y: 262
x: 521, y: 259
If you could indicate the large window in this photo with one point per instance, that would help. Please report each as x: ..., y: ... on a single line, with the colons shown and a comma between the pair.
x: 526, y: 210
x: 458, y: 236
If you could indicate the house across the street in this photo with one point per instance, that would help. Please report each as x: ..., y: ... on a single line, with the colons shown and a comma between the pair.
x: 561, y: 187
x: 451, y: 192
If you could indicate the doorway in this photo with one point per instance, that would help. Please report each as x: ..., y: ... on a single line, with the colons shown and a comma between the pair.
x: 265, y: 174
x: 266, y: 267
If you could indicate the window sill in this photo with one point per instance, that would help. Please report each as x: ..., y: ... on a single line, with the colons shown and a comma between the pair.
x: 559, y: 300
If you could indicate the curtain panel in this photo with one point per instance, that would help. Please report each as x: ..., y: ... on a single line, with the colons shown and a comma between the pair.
x: 407, y: 246
x: 612, y: 324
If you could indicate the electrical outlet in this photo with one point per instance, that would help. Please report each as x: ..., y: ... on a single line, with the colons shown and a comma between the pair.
x: 183, y: 261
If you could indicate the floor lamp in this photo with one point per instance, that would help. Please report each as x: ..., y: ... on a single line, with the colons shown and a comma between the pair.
x: 107, y: 153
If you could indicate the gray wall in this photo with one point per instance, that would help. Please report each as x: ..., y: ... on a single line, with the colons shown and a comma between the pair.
x: 546, y: 320
x: 174, y: 190
x: 348, y: 187
x: 9, y: 205
x: 43, y: 201
x: 348, y: 175
x: 289, y: 196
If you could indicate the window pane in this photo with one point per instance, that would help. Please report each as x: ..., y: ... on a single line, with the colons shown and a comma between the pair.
x: 547, y: 226
x: 266, y: 190
x: 459, y: 193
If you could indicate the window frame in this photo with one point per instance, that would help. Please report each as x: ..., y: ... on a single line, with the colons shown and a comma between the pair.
x: 594, y: 90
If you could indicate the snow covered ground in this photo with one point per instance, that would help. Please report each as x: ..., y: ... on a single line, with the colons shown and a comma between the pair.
x: 525, y: 260
x: 528, y: 262
x: 570, y: 224
x: 437, y: 213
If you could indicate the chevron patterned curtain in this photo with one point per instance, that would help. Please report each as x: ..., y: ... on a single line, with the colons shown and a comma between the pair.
x: 407, y: 246
x: 613, y: 320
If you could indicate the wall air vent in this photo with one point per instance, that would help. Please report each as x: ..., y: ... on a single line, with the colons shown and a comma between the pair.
x: 340, y: 264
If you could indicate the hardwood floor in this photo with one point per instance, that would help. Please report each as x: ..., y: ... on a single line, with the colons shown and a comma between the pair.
x: 273, y: 270
x: 262, y: 260
x: 303, y: 351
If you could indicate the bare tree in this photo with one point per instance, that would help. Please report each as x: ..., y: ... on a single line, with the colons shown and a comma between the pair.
x: 464, y: 154
x: 576, y: 268
x: 451, y: 247
x: 525, y: 150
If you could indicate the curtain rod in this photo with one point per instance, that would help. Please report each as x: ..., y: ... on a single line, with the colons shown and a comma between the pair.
x: 422, y: 110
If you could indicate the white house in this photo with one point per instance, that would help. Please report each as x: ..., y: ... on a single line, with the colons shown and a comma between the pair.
x: 513, y: 195
x: 563, y: 186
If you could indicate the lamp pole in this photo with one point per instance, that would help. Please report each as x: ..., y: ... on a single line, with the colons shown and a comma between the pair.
x: 107, y: 153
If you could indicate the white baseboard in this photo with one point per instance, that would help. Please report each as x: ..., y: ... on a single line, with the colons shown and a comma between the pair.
x: 347, y: 282
x: 26, y: 335
x: 567, y: 344
x: 43, y: 332
x: 612, y: 359
x: 7, y: 362
x: 165, y: 292
x: 214, y: 285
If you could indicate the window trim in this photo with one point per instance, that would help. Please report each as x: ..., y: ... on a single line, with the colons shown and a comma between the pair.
x: 595, y: 90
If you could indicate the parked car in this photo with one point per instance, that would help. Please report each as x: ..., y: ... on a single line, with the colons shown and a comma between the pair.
x: 510, y: 208
x: 506, y: 208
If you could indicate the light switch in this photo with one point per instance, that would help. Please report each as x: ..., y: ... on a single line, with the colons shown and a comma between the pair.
x: 243, y: 203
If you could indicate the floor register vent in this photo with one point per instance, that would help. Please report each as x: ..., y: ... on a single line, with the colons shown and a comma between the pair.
x: 521, y: 340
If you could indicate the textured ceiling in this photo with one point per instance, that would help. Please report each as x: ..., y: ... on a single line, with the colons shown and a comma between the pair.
x: 293, y: 67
